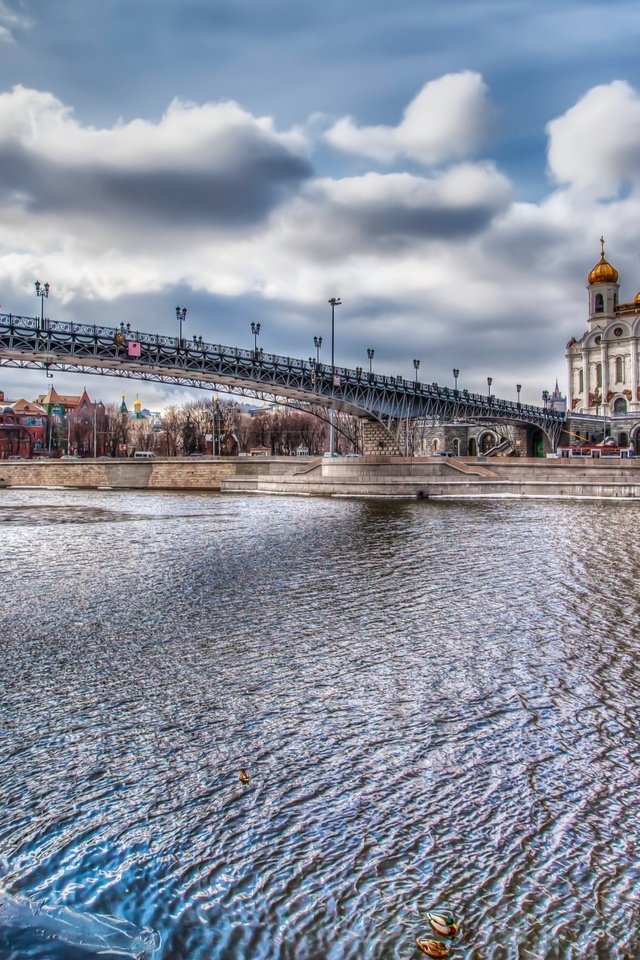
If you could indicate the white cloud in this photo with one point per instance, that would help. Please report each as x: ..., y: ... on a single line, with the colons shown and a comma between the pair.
x: 447, y: 120
x: 595, y: 146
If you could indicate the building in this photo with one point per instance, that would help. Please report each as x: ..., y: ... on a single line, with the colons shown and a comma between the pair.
x: 74, y: 423
x: 602, y: 364
x: 23, y: 428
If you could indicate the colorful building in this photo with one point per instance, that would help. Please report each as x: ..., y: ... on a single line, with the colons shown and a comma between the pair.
x: 23, y: 428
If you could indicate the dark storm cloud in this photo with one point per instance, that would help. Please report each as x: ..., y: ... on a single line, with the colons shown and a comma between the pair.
x: 259, y: 175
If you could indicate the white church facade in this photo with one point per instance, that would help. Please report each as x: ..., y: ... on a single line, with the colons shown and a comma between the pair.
x: 603, y: 365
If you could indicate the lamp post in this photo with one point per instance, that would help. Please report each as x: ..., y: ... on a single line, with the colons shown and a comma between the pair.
x: 181, y: 316
x: 545, y: 398
x: 489, y: 382
x: 255, y: 330
x: 518, y: 389
x: 334, y: 302
x: 317, y: 342
x: 370, y: 354
x: 42, y: 291
x: 456, y: 374
x: 416, y: 367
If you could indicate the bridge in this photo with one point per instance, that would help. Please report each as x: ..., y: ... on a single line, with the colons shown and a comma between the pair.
x: 390, y: 402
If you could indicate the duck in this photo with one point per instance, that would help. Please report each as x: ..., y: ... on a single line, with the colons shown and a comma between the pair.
x: 433, y: 948
x: 443, y: 923
x: 243, y: 777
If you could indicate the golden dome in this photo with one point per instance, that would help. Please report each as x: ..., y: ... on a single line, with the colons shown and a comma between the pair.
x: 603, y: 272
x: 636, y: 299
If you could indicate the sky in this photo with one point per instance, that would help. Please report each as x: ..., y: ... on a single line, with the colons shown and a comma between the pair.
x: 446, y: 170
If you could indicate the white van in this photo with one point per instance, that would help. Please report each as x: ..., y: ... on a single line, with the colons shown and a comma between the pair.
x: 144, y: 455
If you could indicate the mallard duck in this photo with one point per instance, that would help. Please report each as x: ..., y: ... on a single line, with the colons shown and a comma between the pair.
x: 443, y: 923
x: 243, y: 777
x: 433, y: 948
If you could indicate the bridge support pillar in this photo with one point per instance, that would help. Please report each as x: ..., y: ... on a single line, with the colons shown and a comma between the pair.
x: 377, y: 440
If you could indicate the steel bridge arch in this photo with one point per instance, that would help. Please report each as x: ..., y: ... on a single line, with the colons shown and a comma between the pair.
x: 121, y: 352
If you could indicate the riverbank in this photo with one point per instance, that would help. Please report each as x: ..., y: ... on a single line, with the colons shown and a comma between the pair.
x: 434, y: 478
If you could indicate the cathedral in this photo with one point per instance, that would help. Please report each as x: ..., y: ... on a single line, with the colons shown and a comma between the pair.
x: 602, y: 365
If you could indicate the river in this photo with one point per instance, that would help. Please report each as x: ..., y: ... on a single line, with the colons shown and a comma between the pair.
x: 437, y: 705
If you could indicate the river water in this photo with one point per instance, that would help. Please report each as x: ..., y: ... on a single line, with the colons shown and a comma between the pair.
x: 437, y: 705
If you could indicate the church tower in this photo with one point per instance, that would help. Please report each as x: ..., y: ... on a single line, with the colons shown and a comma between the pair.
x: 603, y: 289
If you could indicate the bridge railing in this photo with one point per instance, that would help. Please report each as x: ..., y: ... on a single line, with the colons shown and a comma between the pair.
x: 197, y: 345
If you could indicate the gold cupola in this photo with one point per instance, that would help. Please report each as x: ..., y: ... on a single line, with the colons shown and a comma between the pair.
x: 603, y: 272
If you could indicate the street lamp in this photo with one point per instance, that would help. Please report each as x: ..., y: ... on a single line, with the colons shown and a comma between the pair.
x: 255, y: 330
x: 181, y: 315
x: 416, y: 367
x: 317, y: 342
x: 370, y: 354
x: 545, y: 398
x: 518, y: 389
x: 489, y: 382
x: 42, y: 291
x: 456, y: 374
x: 335, y: 302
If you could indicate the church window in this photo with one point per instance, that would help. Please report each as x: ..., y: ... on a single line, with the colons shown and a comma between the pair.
x: 436, y: 445
x: 620, y: 405
x: 618, y: 331
x: 598, y: 374
x: 619, y: 369
x: 598, y: 339
x: 580, y: 381
x: 599, y: 303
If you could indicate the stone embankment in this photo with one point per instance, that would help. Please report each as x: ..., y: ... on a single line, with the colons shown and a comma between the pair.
x: 375, y: 476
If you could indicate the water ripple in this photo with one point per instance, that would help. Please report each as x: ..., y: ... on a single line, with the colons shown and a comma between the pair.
x: 437, y: 704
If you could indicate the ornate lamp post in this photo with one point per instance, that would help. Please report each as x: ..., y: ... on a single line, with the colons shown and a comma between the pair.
x: 489, y: 382
x: 181, y: 316
x: 317, y: 342
x: 545, y: 398
x: 370, y: 354
x: 334, y: 302
x: 416, y: 367
x: 42, y: 291
x: 456, y: 374
x: 255, y: 330
x: 518, y: 389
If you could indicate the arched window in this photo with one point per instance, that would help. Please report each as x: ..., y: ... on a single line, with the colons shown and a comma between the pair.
x: 619, y: 369
x: 623, y: 439
x: 473, y: 447
x: 580, y: 381
x: 620, y: 405
x: 435, y: 445
x: 456, y: 446
x: 598, y: 374
x: 599, y: 302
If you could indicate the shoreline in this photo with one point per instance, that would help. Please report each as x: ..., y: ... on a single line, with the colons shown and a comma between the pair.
x: 378, y: 477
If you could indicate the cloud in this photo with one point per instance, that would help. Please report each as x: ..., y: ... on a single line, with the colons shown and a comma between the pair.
x: 10, y: 21
x: 595, y: 146
x: 213, y: 165
x: 387, y: 214
x: 447, y: 120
